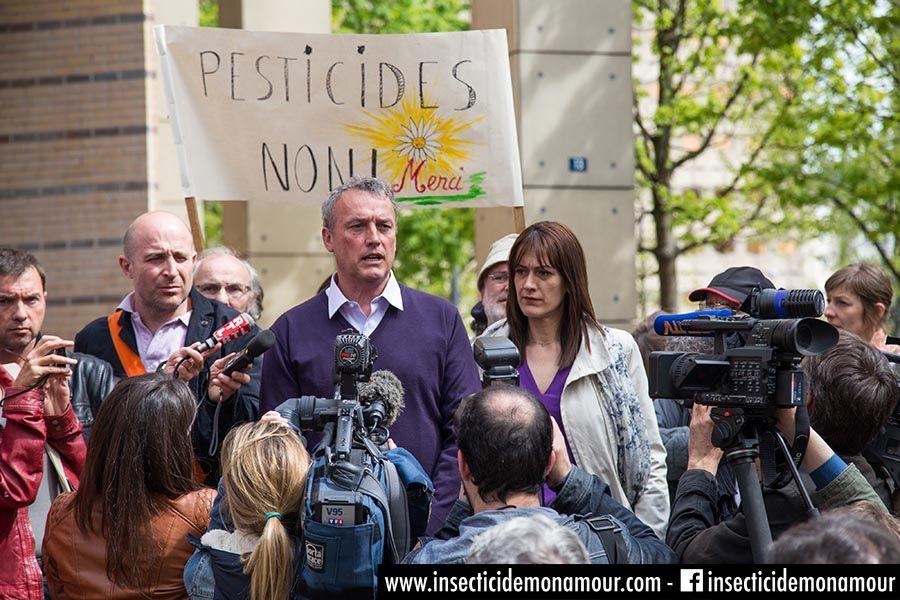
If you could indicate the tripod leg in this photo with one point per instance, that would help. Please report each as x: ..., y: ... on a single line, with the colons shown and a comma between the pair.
x: 752, y: 505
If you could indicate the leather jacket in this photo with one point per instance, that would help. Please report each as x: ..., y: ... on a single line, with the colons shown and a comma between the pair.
x: 22, y: 441
x: 92, y: 381
x: 75, y: 562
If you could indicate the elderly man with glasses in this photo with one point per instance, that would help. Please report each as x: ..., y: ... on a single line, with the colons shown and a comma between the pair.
x: 220, y: 274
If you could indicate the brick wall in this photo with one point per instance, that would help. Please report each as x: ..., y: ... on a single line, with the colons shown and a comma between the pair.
x: 73, y: 145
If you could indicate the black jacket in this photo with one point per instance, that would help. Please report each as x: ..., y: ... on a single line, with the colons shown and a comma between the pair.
x: 206, y: 317
x: 92, y: 380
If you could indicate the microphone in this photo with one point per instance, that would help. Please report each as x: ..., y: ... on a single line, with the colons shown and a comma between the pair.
x: 383, y: 395
x: 232, y: 330
x: 671, y: 324
x: 263, y: 340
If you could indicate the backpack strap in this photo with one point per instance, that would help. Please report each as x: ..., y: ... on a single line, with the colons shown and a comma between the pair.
x: 610, y: 534
x: 372, y: 488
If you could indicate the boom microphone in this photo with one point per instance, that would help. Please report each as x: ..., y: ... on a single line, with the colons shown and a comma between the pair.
x: 383, y: 393
x: 671, y: 324
x: 263, y: 340
x: 232, y: 330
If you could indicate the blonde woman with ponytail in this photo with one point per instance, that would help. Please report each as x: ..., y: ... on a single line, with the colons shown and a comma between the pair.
x: 264, y: 468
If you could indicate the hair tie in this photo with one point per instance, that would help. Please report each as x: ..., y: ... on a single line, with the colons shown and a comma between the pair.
x: 269, y: 515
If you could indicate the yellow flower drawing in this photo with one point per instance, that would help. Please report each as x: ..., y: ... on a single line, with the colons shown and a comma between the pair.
x: 419, y: 141
x: 423, y: 135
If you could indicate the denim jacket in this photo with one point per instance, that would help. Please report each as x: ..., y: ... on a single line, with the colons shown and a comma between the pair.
x: 582, y: 496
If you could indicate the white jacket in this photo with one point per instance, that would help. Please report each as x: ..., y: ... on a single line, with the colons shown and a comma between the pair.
x: 589, y: 430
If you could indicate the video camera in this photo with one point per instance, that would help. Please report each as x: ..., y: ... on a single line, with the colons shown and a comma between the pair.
x: 356, y: 503
x: 764, y: 371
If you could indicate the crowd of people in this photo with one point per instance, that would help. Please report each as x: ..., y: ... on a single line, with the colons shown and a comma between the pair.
x: 134, y: 464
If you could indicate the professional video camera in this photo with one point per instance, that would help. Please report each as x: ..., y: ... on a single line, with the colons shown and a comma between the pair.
x: 755, y: 368
x: 356, y: 505
x: 764, y: 371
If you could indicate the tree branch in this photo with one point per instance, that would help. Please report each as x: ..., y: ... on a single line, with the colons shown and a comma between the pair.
x: 735, y: 93
x: 869, y: 235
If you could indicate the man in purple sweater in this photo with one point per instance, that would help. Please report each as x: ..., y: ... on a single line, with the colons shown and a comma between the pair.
x: 419, y: 337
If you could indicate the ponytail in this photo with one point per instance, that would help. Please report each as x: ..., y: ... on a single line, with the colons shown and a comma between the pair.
x: 266, y: 565
x: 264, y: 467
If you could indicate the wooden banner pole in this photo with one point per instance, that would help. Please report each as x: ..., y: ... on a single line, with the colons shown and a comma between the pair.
x: 519, y: 218
x: 194, y: 221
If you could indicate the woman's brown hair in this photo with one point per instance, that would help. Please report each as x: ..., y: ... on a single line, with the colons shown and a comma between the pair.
x: 264, y: 468
x: 871, y: 284
x: 140, y: 457
x: 555, y: 245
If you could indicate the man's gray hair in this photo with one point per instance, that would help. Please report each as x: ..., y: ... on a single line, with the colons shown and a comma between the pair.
x: 534, y: 540
x: 363, y: 184
x: 256, y: 306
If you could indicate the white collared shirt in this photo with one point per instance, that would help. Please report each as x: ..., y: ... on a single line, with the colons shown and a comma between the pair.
x: 351, y: 311
x: 154, y: 348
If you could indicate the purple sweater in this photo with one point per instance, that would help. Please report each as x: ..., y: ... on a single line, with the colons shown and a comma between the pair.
x: 425, y: 345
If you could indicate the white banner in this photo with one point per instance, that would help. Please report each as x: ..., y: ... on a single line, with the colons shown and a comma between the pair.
x: 289, y: 116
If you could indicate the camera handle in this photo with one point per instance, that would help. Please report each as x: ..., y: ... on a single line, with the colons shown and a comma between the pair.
x: 738, y: 436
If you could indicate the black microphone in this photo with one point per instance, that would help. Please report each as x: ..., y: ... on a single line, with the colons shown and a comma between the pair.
x: 383, y: 394
x: 263, y: 340
x: 232, y: 330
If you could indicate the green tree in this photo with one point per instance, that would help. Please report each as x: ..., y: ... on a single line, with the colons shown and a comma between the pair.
x: 722, y: 74
x: 436, y: 248
x: 839, y: 156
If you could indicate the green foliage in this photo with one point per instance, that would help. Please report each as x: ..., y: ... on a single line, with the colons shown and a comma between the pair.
x: 435, y: 247
x: 212, y: 210
x: 805, y: 86
x: 399, y: 16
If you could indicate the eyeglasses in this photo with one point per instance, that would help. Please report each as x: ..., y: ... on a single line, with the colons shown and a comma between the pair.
x: 500, y: 277
x: 234, y: 290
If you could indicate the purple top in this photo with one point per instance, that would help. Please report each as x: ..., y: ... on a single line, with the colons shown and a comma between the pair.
x: 425, y: 345
x: 550, y: 399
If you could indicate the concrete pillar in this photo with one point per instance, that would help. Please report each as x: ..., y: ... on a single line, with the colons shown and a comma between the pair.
x: 571, y: 75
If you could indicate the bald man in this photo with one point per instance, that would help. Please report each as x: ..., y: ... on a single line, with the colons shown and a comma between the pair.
x: 159, y: 322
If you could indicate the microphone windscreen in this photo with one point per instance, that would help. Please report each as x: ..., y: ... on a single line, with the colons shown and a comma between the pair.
x: 263, y: 340
x: 386, y: 387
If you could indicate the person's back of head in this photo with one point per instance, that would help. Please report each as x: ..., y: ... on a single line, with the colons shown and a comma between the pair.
x: 647, y: 339
x: 264, y: 467
x: 140, y: 455
x: 528, y: 540
x: 852, y: 391
x: 836, y: 538
x: 506, y: 437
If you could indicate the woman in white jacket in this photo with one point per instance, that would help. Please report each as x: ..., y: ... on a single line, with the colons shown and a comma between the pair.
x: 589, y: 376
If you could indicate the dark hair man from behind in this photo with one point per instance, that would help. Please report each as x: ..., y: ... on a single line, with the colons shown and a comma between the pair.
x: 508, y: 447
x: 124, y: 530
x: 836, y: 538
x: 851, y: 393
x: 489, y: 428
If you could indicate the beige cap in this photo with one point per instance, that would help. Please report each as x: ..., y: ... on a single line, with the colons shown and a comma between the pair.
x: 498, y: 253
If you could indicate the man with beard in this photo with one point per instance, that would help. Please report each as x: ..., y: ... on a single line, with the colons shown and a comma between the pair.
x: 493, y: 282
x: 161, y: 322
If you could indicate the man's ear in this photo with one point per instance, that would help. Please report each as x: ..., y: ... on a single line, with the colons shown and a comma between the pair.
x: 551, y: 463
x: 327, y: 239
x: 125, y: 265
x: 464, y: 473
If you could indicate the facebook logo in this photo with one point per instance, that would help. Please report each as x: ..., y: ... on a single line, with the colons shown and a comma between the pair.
x: 692, y: 580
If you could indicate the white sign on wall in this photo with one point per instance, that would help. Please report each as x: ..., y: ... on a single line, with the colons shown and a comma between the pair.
x: 289, y: 116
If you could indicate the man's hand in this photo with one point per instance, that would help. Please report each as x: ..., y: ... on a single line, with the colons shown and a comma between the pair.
x: 785, y: 422
x: 191, y: 367
x: 42, y: 361
x: 56, y: 395
x: 222, y: 387
x: 701, y: 452
x: 562, y: 465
